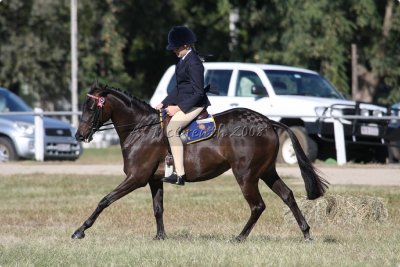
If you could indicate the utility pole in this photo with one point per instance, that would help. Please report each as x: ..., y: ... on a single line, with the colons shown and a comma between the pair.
x: 74, y: 62
x: 354, y: 74
x: 233, y: 31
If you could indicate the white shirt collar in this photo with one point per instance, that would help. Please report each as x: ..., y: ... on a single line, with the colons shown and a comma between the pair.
x: 183, y: 58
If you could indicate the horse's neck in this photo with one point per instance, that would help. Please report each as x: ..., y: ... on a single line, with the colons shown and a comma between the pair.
x: 128, y: 118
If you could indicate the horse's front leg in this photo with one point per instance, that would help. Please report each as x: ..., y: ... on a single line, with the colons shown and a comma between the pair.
x: 128, y: 185
x: 157, y: 191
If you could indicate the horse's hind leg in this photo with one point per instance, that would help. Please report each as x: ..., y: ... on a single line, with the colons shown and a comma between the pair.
x: 156, y: 188
x: 283, y: 191
x: 252, y: 195
x: 127, y: 186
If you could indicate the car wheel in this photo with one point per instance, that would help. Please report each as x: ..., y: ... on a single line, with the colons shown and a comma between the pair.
x: 286, y: 152
x: 7, y: 150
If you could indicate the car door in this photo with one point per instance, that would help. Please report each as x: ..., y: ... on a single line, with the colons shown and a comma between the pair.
x: 243, y: 96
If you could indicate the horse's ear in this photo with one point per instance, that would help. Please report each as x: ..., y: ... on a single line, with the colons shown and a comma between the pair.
x: 95, y: 84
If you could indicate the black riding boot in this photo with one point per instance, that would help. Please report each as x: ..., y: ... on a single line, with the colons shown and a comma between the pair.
x: 175, y: 179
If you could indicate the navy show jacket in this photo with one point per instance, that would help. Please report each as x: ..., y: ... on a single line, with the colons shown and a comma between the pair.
x: 189, y: 91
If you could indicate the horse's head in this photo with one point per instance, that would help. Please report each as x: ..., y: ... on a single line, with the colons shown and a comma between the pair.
x: 94, y: 113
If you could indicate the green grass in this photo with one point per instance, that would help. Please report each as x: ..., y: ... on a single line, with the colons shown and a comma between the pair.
x: 108, y: 155
x: 38, y: 213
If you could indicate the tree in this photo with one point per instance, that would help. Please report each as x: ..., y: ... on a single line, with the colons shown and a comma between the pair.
x: 34, y: 55
x: 101, y: 46
x: 146, y: 24
x: 301, y: 33
x: 122, y: 43
x: 318, y: 35
x: 377, y: 36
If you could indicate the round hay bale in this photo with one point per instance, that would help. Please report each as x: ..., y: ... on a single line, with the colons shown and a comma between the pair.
x: 339, y: 209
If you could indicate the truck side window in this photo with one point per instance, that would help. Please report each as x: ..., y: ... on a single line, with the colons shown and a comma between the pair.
x: 220, y: 79
x: 245, y: 81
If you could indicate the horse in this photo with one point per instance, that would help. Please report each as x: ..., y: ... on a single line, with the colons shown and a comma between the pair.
x: 245, y: 141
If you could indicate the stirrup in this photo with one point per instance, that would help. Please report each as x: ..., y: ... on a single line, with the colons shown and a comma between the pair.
x: 180, y: 180
x: 175, y: 179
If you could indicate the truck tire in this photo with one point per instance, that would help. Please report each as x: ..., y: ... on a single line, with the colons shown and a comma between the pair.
x: 286, y: 152
x: 7, y: 150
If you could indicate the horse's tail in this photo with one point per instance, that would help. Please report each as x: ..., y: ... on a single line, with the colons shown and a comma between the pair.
x: 314, y: 183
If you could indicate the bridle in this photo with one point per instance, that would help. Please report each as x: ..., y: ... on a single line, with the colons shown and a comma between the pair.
x: 98, y: 113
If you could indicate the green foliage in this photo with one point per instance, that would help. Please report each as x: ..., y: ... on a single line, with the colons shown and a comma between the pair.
x: 122, y: 43
x: 34, y: 56
x: 318, y: 35
x: 101, y: 46
x: 301, y: 33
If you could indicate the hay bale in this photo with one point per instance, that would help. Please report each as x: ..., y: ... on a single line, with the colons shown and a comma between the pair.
x: 337, y: 209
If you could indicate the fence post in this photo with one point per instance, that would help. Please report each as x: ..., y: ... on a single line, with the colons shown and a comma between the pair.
x: 39, y: 135
x: 339, y: 142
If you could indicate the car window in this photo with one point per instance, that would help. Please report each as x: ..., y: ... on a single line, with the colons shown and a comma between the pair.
x: 219, y: 79
x: 3, y: 106
x: 13, y: 103
x: 245, y: 81
x: 299, y: 83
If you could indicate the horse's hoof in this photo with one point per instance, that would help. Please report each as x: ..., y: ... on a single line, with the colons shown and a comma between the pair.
x: 239, y: 239
x: 159, y: 237
x: 78, y: 235
x: 308, y: 240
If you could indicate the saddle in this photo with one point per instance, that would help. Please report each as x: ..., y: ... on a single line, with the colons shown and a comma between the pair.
x: 201, y: 128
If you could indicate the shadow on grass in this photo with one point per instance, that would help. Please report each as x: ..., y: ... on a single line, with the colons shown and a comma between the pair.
x: 185, y: 235
x: 331, y: 239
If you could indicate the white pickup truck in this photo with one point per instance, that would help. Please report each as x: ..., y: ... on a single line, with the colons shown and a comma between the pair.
x: 300, y: 98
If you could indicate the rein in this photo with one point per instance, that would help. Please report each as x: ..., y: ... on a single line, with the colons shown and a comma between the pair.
x: 134, y: 129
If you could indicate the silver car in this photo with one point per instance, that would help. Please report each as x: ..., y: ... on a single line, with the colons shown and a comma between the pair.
x: 17, y: 133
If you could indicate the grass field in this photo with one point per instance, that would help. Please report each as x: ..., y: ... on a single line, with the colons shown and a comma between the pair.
x: 110, y: 155
x: 39, y: 213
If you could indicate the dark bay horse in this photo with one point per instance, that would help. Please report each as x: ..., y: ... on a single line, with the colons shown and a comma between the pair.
x: 245, y: 141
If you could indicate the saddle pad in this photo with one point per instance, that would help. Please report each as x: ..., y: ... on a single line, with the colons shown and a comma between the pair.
x: 198, y: 130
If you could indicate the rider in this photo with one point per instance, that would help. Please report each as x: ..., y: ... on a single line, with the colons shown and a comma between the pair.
x: 188, y: 99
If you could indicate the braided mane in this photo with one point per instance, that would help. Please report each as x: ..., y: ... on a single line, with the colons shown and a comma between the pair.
x: 128, y: 96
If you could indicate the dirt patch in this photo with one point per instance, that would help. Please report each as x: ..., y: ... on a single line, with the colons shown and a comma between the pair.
x: 352, y: 174
x: 388, y: 175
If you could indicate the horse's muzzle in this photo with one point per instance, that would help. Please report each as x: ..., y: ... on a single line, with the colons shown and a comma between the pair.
x: 80, y: 138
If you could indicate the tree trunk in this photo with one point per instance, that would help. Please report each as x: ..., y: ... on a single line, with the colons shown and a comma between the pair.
x: 368, y: 80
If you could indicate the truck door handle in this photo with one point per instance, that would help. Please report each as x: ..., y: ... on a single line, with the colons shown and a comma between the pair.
x: 234, y: 104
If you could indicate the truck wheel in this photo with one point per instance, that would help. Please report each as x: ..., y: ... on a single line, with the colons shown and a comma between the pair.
x: 7, y: 150
x: 286, y: 152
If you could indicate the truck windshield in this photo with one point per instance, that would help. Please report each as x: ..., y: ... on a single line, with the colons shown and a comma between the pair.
x: 12, y: 103
x: 300, y: 83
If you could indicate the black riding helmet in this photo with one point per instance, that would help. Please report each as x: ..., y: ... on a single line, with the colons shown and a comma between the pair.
x: 179, y: 36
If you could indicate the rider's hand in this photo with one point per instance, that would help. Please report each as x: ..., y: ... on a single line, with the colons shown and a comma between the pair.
x: 159, y: 106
